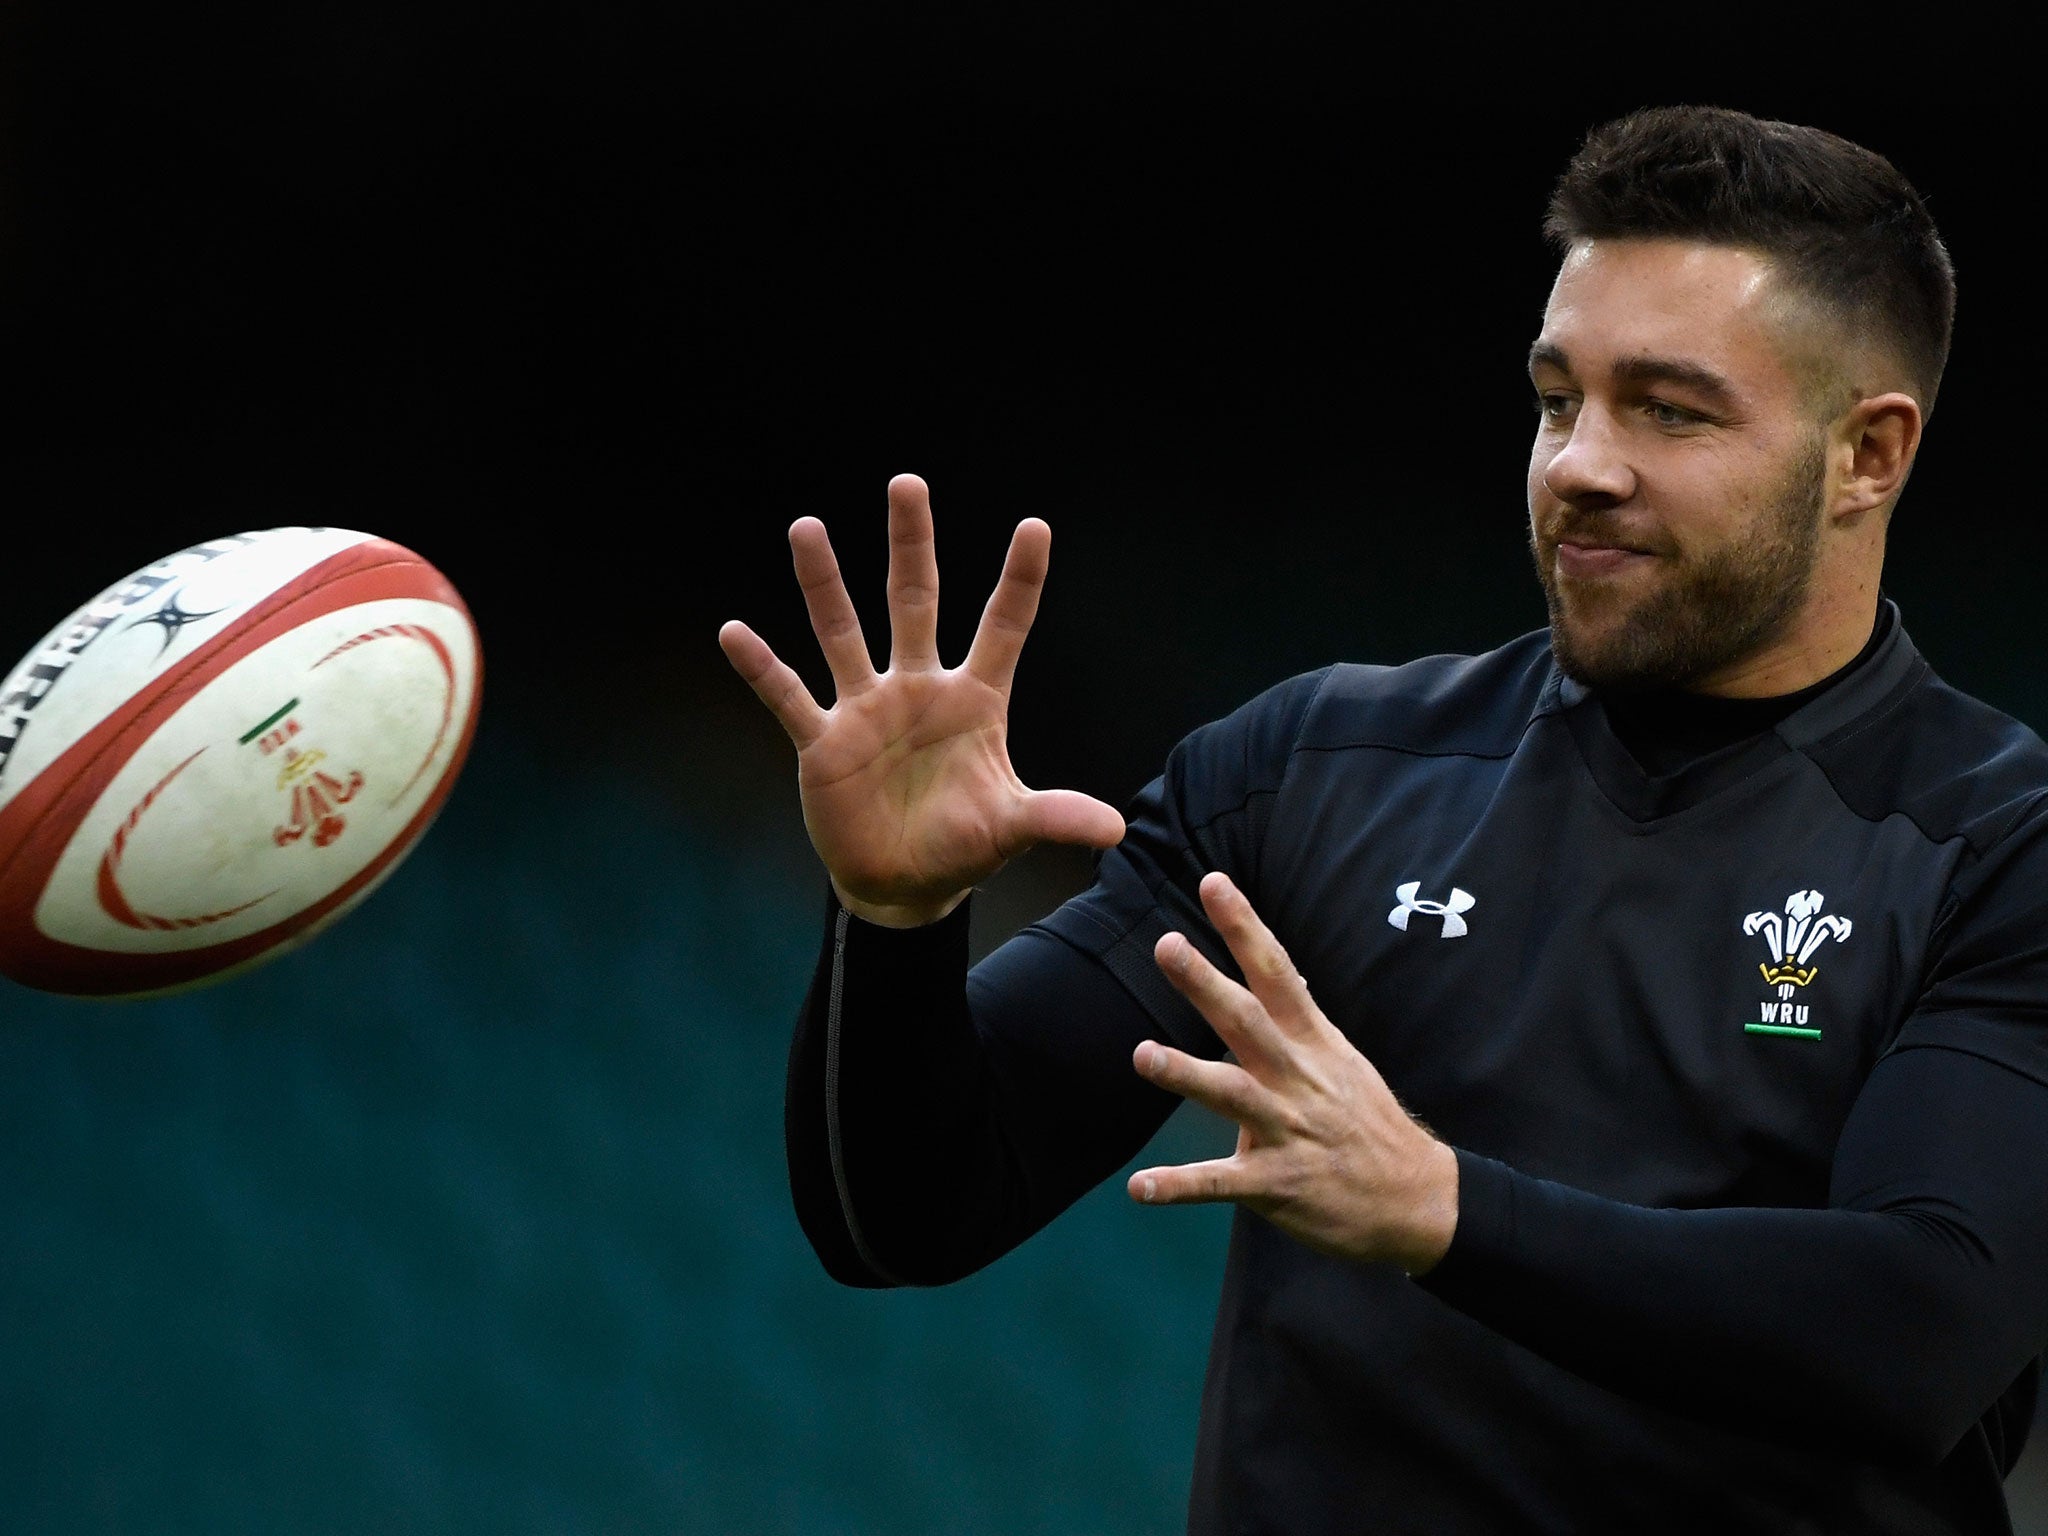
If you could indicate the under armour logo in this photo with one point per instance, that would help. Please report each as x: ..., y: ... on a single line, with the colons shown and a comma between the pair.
x: 1450, y: 911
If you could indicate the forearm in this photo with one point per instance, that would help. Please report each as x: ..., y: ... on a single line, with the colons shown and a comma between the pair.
x: 935, y: 1120
x: 1885, y: 1324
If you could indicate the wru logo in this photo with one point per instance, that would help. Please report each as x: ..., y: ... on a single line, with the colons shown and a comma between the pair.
x: 1794, y: 937
x: 1452, y: 911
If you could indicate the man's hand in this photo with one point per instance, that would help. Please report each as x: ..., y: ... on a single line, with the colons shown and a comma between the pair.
x: 1324, y: 1150
x: 906, y: 782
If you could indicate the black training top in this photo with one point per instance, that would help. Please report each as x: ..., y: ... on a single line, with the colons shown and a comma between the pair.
x: 1746, y: 1065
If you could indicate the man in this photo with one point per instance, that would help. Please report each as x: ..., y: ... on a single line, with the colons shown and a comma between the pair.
x: 1638, y: 1034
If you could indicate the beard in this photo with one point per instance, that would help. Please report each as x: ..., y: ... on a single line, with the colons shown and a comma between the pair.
x: 1714, y: 610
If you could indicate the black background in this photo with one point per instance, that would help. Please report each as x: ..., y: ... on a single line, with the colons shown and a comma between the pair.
x: 586, y: 305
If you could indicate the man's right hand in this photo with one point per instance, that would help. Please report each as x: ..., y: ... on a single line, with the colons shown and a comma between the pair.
x: 906, y: 783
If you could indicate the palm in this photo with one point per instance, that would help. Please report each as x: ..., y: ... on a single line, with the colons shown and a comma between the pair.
x: 907, y: 788
x: 910, y: 789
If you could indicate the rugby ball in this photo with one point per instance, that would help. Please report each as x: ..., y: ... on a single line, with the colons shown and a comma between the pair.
x: 222, y: 754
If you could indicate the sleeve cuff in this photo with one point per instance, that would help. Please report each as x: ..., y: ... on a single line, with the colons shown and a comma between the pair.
x: 902, y: 946
x: 1486, y: 1221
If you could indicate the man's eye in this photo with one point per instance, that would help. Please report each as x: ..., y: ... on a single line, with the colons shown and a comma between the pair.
x: 1553, y: 407
x: 1666, y: 414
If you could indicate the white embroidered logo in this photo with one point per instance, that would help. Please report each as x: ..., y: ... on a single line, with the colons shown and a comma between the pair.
x: 1452, y: 911
x: 1794, y: 937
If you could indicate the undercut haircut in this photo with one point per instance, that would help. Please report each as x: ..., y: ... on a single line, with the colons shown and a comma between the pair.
x: 1844, y: 227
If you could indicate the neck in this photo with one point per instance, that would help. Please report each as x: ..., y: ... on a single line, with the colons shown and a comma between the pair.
x: 1667, y: 729
x: 1831, y: 630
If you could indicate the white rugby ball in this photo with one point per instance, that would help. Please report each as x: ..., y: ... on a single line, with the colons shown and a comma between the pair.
x: 222, y: 754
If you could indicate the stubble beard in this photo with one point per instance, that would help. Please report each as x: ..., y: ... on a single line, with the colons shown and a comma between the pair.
x: 1709, y: 614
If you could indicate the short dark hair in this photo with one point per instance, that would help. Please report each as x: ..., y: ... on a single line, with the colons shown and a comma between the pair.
x: 1845, y: 227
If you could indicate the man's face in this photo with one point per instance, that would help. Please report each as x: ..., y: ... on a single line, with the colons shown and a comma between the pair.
x: 1677, y: 477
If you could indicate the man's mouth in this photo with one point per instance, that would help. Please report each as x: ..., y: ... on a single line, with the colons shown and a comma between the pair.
x: 1588, y: 558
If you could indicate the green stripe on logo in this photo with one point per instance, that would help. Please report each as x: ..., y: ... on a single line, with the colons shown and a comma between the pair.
x: 1782, y: 1029
x: 257, y: 730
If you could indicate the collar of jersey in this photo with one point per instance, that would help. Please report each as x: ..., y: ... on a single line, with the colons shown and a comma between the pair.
x: 1643, y: 797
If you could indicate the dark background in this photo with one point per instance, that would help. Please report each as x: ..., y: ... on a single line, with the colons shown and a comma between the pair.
x: 470, y: 1216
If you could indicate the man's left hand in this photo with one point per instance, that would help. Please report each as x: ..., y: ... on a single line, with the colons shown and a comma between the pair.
x: 1324, y: 1150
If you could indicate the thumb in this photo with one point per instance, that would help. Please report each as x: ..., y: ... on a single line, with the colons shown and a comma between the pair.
x: 1068, y: 816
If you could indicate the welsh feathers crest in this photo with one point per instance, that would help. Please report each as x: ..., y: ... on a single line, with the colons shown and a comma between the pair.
x: 1793, y: 936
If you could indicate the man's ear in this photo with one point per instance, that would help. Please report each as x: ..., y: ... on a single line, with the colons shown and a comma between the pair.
x: 1875, y: 440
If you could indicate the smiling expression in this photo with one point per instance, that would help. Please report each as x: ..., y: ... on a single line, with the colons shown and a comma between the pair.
x: 1678, y: 474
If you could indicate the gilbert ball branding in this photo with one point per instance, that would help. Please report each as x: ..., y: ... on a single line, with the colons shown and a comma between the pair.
x: 222, y: 754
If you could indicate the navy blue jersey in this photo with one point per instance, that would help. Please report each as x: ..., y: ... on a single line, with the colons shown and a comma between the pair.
x: 1746, y: 1065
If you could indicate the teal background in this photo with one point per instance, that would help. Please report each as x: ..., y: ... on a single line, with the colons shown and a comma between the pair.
x: 471, y: 1217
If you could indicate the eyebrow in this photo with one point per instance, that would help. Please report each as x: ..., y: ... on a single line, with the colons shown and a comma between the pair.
x: 1644, y: 368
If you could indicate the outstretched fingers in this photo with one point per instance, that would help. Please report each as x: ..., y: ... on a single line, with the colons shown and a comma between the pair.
x: 774, y: 682
x: 1269, y: 972
x: 1228, y: 1090
x: 833, y: 618
x: 1222, y: 1086
x: 1006, y: 620
x: 913, y: 576
x: 1205, y: 1183
x: 1240, y: 1019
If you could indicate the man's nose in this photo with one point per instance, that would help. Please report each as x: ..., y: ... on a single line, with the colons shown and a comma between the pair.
x: 1592, y: 466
